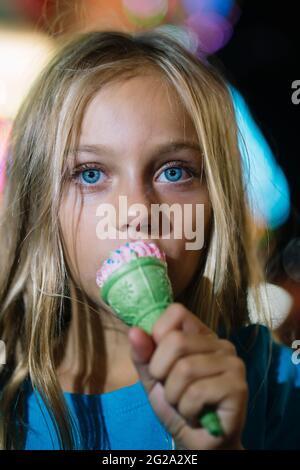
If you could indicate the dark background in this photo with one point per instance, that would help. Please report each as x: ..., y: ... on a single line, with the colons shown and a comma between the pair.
x: 262, y: 60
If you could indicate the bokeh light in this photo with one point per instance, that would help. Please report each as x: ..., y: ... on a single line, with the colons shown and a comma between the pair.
x: 22, y: 56
x: 222, y: 7
x: 213, y: 31
x: 146, y: 13
x: 212, y: 21
x: 262, y: 174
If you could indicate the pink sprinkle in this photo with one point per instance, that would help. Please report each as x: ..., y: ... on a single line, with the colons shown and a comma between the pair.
x: 124, y: 254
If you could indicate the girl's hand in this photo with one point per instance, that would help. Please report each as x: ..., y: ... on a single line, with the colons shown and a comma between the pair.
x: 184, y: 366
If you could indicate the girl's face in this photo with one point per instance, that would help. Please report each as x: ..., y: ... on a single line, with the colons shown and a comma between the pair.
x: 138, y: 142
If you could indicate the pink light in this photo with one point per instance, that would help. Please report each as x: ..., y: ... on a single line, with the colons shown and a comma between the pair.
x: 213, y: 31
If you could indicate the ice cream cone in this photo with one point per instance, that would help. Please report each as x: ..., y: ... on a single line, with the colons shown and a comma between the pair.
x: 134, y: 282
x: 139, y: 291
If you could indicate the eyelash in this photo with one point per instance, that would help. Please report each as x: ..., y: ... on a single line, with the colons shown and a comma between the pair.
x: 75, y: 175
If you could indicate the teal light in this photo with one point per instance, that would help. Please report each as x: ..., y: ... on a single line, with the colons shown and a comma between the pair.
x: 266, y: 184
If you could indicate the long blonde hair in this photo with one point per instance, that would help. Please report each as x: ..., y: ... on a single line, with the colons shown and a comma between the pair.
x: 35, y: 283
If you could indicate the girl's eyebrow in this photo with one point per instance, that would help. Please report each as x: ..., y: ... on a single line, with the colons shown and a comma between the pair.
x: 161, y: 149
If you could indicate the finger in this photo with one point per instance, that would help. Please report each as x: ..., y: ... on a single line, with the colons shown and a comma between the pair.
x: 178, y: 317
x: 224, y: 392
x: 177, y: 344
x: 190, y: 369
x: 142, y: 345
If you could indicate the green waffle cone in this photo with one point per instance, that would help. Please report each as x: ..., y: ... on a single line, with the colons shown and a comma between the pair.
x: 139, y: 291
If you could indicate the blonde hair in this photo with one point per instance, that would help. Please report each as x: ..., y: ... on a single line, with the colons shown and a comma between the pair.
x: 35, y: 283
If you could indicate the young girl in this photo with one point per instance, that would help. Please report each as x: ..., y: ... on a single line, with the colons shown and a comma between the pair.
x: 136, y: 115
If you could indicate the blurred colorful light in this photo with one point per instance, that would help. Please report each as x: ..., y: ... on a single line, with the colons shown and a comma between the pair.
x: 34, y: 8
x: 146, y: 13
x: 212, y: 21
x: 222, y: 7
x: 213, y: 31
x: 22, y: 56
x: 262, y: 174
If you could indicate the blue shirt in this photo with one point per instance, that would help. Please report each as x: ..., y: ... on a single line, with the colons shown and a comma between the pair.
x: 272, y: 421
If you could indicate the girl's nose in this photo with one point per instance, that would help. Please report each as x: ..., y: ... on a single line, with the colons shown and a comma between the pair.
x: 133, y: 212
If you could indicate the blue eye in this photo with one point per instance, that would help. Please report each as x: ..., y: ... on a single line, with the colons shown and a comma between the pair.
x: 172, y: 174
x: 91, y: 176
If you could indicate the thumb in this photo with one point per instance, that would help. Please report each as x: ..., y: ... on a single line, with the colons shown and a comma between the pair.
x: 142, y: 348
x: 142, y: 345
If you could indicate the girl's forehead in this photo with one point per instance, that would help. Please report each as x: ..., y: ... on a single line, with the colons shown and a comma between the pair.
x: 141, y: 93
x: 140, y: 105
